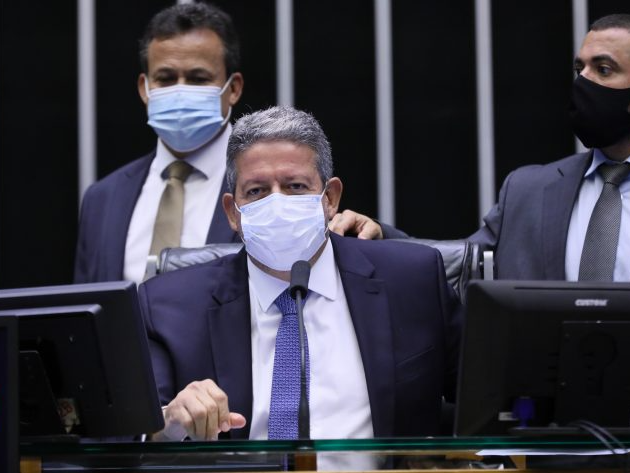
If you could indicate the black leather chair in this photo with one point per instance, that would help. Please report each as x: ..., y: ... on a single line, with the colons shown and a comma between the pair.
x: 463, y: 260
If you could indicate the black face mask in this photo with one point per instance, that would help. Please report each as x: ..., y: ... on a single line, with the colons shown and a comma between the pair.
x: 599, y: 114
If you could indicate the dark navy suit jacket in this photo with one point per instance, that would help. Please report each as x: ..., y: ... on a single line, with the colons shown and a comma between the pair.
x: 405, y: 315
x: 106, y: 212
x: 528, y: 226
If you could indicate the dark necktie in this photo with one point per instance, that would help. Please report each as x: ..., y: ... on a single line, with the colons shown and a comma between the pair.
x: 602, y: 235
x: 285, y: 385
x: 167, y: 230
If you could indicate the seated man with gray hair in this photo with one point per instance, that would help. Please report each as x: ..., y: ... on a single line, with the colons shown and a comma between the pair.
x: 382, y: 324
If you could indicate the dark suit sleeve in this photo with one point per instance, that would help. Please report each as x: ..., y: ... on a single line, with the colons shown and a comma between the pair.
x: 81, y: 260
x: 488, y: 235
x: 162, y: 366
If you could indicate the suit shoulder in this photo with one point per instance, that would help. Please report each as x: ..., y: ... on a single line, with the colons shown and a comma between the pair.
x: 535, y: 172
x: 136, y: 167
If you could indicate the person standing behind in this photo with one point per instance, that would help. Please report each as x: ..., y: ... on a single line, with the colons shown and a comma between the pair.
x: 546, y: 224
x: 569, y: 219
x: 190, y: 81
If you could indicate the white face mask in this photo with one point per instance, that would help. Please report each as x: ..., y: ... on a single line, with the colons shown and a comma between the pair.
x: 282, y: 229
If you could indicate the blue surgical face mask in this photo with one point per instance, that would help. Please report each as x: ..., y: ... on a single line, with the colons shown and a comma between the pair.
x: 186, y: 117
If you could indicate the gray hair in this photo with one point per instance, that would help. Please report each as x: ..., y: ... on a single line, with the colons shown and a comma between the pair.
x: 279, y: 123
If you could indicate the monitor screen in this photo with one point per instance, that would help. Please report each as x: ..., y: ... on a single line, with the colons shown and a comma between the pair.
x: 8, y: 395
x: 541, y: 354
x: 83, y: 360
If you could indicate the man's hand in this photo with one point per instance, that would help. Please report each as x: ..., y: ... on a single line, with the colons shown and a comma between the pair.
x: 355, y: 224
x: 199, y: 411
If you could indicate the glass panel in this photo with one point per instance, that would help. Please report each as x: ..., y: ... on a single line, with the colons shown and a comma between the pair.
x: 339, y: 455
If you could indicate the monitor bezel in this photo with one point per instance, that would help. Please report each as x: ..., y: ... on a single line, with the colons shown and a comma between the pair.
x: 9, y: 405
x: 501, y: 319
x: 120, y: 335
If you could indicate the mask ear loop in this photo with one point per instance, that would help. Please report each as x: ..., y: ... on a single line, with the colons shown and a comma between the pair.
x: 227, y: 117
x: 240, y: 234
x: 325, y: 189
x: 326, y: 219
x: 223, y: 89
x: 227, y: 84
x: 146, y: 87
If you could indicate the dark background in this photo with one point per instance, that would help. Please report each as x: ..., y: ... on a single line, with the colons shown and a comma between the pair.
x: 434, y: 93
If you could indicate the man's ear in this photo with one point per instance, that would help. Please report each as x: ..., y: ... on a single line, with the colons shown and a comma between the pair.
x: 142, y: 91
x: 230, y: 211
x: 235, y: 88
x: 334, y: 187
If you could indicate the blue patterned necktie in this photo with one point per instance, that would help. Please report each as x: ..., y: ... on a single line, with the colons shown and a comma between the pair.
x: 285, y: 385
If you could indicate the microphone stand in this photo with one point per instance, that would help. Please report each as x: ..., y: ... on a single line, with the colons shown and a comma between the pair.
x: 303, y: 460
x: 304, y: 414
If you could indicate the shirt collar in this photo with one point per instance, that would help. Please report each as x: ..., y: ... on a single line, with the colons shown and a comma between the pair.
x: 209, y: 160
x: 323, y: 279
x: 599, y: 158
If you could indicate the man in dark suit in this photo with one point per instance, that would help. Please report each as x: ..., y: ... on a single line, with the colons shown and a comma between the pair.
x: 528, y: 228
x: 382, y: 323
x: 190, y: 81
x: 539, y: 225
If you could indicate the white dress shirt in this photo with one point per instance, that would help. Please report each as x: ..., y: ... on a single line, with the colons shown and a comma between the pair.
x: 201, y: 192
x: 338, y: 400
x: 590, y: 190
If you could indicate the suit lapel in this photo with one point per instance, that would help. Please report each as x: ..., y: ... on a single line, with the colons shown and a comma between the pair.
x: 118, y: 216
x: 220, y: 231
x: 230, y: 339
x: 369, y: 309
x: 559, y: 198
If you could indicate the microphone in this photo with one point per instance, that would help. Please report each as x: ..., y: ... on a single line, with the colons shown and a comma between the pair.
x: 300, y: 272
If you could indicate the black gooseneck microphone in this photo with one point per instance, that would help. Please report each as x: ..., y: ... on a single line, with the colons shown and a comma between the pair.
x: 300, y: 272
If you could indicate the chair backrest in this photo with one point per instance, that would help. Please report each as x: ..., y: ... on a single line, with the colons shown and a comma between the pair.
x: 176, y: 258
x: 462, y: 259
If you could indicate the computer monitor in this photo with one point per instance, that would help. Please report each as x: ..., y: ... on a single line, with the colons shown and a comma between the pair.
x: 541, y: 354
x: 84, y: 361
x: 8, y: 396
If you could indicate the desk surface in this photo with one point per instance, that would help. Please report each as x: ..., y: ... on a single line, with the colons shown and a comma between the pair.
x: 436, y: 454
